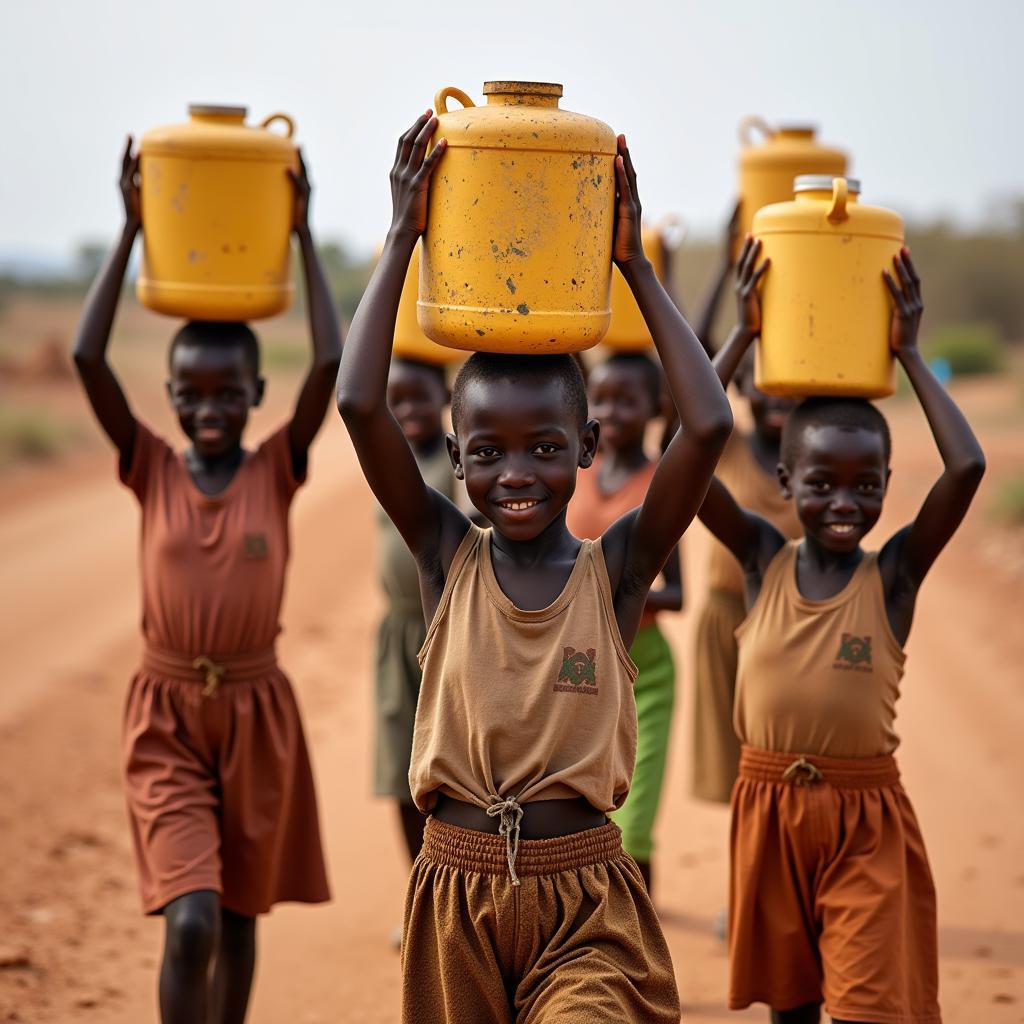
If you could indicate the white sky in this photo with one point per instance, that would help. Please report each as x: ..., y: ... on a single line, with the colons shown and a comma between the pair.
x: 926, y: 94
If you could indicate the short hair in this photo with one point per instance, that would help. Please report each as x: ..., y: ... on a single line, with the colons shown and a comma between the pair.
x: 649, y: 370
x: 434, y: 369
x: 217, y: 333
x: 491, y: 367
x: 845, y: 413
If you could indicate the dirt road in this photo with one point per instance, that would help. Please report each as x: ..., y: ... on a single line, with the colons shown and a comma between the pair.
x: 72, y: 944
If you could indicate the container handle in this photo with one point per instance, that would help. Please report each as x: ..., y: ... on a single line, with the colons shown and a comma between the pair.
x: 441, y: 99
x: 289, y: 123
x: 673, y: 229
x: 837, y: 211
x: 754, y: 122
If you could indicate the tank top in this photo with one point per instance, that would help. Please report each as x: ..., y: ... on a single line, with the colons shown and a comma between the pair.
x: 591, y: 511
x: 212, y: 566
x: 818, y: 677
x: 753, y: 489
x: 398, y: 576
x: 520, y: 705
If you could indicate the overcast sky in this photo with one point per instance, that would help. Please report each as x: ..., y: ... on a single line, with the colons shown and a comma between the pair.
x: 925, y: 94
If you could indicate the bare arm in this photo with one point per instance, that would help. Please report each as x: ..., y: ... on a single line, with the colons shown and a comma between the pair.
x: 681, y: 479
x: 419, y: 513
x: 101, y: 386
x: 704, y: 324
x: 917, y: 546
x: 315, y: 393
x: 669, y: 596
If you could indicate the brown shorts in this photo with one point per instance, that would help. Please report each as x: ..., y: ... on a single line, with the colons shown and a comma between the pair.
x: 716, y: 750
x: 219, y: 787
x: 831, y: 897
x: 577, y: 941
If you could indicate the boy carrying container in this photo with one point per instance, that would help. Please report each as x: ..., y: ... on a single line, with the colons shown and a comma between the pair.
x: 220, y: 792
x: 523, y: 904
x: 831, y: 896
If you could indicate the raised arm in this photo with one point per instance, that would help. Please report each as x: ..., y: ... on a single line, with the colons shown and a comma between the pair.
x: 101, y: 386
x: 752, y: 540
x: 387, y: 461
x: 917, y: 546
x: 681, y: 479
x: 315, y: 393
x: 704, y: 323
x: 669, y: 596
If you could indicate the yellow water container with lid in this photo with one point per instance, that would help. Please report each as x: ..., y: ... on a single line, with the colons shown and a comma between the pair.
x: 410, y: 342
x: 628, y: 331
x: 517, y: 256
x: 217, y: 211
x: 826, y: 311
x: 767, y: 168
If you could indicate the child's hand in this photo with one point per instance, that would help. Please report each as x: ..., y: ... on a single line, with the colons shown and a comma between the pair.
x: 907, y: 303
x: 303, y: 189
x: 748, y: 300
x: 129, y: 185
x: 410, y: 177
x: 627, y: 246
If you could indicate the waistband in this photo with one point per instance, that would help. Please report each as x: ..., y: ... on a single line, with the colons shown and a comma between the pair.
x: 469, y: 850
x: 808, y: 769
x: 209, y: 669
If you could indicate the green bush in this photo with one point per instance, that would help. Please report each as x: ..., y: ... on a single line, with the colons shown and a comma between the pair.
x: 969, y: 348
x: 1009, y: 502
x: 30, y: 435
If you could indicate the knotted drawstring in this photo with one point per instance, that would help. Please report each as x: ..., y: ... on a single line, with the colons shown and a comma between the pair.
x: 214, y: 674
x: 511, y: 815
x: 812, y: 772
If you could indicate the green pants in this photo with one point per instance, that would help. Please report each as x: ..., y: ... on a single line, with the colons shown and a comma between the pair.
x: 654, y: 692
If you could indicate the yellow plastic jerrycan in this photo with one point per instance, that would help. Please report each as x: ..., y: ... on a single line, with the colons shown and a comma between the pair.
x: 410, y: 342
x: 628, y: 331
x: 517, y: 256
x: 217, y: 211
x: 767, y: 169
x: 825, y: 308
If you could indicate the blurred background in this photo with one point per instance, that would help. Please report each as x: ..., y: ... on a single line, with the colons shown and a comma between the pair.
x: 922, y: 95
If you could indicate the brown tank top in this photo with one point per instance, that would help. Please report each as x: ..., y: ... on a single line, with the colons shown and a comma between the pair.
x: 753, y: 489
x: 522, y: 705
x: 818, y: 677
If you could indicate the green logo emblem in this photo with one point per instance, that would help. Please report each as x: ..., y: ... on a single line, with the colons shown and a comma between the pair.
x: 854, y: 650
x: 578, y: 667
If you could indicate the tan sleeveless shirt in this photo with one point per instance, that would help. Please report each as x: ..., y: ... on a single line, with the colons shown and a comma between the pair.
x: 522, y: 705
x: 818, y: 677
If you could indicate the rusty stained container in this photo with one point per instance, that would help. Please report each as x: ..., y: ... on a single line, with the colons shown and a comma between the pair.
x: 767, y: 169
x: 826, y: 311
x: 517, y: 256
x: 628, y: 331
x: 217, y: 210
x: 410, y: 342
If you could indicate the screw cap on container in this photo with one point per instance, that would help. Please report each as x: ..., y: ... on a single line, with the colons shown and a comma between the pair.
x: 822, y: 183
x: 522, y: 88
x: 216, y: 110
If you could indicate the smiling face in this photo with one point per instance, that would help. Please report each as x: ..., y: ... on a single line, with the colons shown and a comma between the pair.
x: 838, y: 478
x: 622, y: 401
x: 417, y: 397
x: 212, y: 388
x: 518, y: 446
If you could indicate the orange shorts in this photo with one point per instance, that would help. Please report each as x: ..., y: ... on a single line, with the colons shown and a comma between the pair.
x: 831, y: 897
x: 219, y: 786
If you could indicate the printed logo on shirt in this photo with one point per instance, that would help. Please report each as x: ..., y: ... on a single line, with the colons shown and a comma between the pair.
x: 578, y: 673
x: 854, y: 654
x: 255, y: 546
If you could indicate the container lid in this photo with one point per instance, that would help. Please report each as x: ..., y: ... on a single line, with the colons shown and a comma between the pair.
x: 523, y: 88
x: 216, y: 110
x: 822, y: 183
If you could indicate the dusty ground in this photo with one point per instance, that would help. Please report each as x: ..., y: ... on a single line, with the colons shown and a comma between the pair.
x: 72, y: 943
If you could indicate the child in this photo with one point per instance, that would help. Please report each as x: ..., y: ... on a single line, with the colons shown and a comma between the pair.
x: 220, y: 793
x: 417, y: 395
x: 831, y: 897
x: 625, y: 395
x: 526, y: 725
x: 748, y: 470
